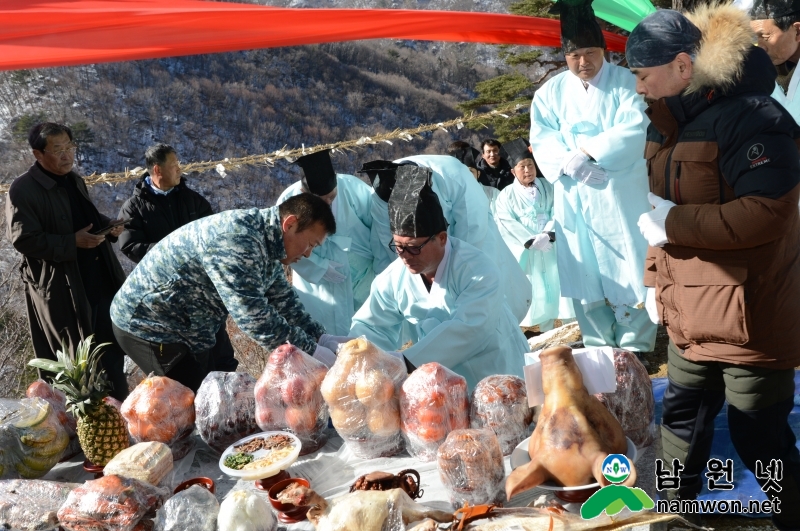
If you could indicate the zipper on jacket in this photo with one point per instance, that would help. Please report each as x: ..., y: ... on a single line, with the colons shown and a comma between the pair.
x: 678, y: 182
x: 667, y: 194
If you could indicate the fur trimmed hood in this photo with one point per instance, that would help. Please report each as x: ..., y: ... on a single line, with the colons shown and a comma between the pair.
x: 727, y: 39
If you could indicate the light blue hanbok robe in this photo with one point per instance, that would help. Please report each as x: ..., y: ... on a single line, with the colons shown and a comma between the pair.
x: 464, y: 322
x: 519, y: 219
x: 467, y: 211
x: 791, y: 99
x: 332, y: 304
x: 600, y: 250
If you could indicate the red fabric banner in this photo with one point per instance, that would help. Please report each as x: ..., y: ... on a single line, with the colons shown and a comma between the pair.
x: 41, y: 33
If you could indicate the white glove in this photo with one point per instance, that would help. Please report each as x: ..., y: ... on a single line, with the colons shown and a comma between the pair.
x: 541, y: 242
x: 653, y: 224
x: 650, y: 305
x: 332, y: 342
x: 325, y: 355
x: 332, y: 274
x: 580, y: 168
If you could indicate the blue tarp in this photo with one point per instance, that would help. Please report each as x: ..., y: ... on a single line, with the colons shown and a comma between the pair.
x: 746, y: 487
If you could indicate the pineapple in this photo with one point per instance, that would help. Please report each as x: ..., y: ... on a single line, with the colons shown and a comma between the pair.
x: 102, y: 431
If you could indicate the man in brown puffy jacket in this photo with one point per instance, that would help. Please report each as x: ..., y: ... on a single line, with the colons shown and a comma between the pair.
x: 724, y: 261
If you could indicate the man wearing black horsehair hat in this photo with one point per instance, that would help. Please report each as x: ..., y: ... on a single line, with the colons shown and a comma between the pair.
x: 777, y: 27
x: 588, y: 135
x: 334, y: 280
x: 724, y: 259
x: 446, y: 289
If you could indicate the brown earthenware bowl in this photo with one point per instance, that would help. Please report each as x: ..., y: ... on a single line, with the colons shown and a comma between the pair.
x: 287, y: 513
x: 92, y: 468
x: 206, y: 483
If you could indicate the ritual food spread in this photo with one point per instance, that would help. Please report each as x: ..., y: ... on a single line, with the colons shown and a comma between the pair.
x: 362, y: 390
x: 288, y: 397
x: 433, y: 402
x: 376, y: 407
x: 574, y: 433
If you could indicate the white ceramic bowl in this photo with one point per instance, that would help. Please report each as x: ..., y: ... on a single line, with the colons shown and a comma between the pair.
x: 262, y: 472
x: 520, y: 456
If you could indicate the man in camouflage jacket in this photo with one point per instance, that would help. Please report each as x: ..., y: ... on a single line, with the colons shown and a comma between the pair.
x: 168, y: 311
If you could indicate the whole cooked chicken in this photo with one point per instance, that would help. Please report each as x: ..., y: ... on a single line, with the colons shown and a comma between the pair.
x: 364, y: 510
x: 575, y: 432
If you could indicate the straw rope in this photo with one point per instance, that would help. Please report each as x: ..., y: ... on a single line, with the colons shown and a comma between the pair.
x: 269, y: 159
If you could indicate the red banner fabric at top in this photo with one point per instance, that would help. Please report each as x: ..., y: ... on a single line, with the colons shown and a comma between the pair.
x: 36, y: 33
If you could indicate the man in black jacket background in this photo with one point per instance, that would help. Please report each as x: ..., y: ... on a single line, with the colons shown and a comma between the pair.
x: 161, y: 203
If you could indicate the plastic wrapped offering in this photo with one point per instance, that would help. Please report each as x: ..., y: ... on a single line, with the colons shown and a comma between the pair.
x: 632, y: 404
x: 471, y: 467
x: 32, y: 440
x: 288, y: 397
x: 245, y: 511
x: 148, y: 461
x: 433, y: 402
x: 362, y: 391
x: 500, y: 403
x: 194, y: 509
x: 111, y: 503
x: 31, y: 504
x: 162, y: 410
x: 225, y: 408
x: 58, y: 401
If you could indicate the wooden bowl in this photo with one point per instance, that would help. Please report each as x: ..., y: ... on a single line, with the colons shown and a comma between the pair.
x: 287, y: 513
x: 206, y: 483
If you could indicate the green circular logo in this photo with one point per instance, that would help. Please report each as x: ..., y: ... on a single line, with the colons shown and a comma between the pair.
x: 616, y: 468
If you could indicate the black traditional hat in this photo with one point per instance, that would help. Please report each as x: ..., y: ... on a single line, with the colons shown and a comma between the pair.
x: 772, y: 9
x: 319, y: 178
x: 659, y: 38
x: 579, y: 27
x: 468, y: 156
x: 518, y: 150
x: 381, y: 174
x: 414, y: 208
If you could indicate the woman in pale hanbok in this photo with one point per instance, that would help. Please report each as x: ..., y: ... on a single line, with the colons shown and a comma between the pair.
x: 524, y: 213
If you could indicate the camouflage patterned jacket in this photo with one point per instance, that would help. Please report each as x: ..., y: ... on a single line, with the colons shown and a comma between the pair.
x: 180, y: 291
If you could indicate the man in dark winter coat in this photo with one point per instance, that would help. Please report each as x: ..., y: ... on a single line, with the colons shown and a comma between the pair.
x: 723, y: 264
x: 495, y: 171
x: 70, y: 274
x: 161, y: 203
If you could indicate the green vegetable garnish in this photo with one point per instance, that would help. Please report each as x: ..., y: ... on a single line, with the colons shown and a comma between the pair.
x: 237, y: 461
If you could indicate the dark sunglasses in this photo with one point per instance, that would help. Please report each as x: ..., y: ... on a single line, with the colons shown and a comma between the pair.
x: 413, y: 250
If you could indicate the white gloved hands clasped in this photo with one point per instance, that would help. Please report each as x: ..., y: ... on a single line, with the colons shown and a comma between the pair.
x: 332, y: 342
x: 333, y: 274
x: 650, y: 305
x: 325, y: 355
x: 653, y: 224
x: 583, y: 170
x: 541, y: 242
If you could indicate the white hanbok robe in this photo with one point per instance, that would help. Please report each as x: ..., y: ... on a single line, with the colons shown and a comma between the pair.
x: 519, y: 219
x: 464, y: 322
x: 791, y: 99
x: 600, y: 251
x: 467, y: 211
x: 334, y: 304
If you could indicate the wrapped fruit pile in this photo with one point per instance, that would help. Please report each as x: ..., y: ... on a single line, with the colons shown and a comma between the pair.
x: 225, y: 408
x: 111, y: 503
x: 288, y: 397
x: 194, y: 509
x: 362, y: 390
x: 471, y: 467
x: 433, y: 402
x: 31, y: 504
x: 32, y: 440
x: 500, y: 403
x: 58, y: 401
x: 162, y: 410
x: 632, y: 404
